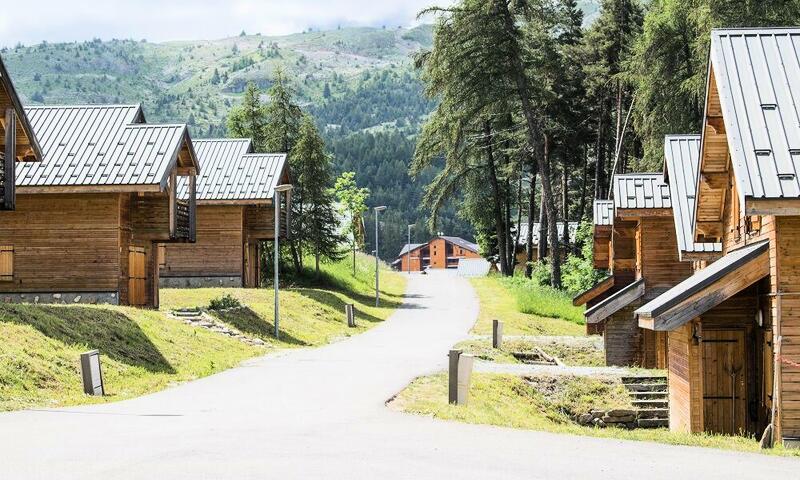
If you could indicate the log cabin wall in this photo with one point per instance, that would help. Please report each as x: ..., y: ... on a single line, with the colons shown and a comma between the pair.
x: 785, y: 305
x: 622, y: 338
x: 216, y: 258
x: 66, y: 247
x: 658, y: 261
x: 685, y: 383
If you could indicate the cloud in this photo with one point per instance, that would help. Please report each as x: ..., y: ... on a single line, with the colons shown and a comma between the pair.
x: 163, y: 20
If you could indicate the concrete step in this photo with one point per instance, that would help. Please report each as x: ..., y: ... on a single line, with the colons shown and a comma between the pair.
x: 649, y: 396
x: 653, y: 413
x: 647, y: 387
x: 631, y: 380
x: 187, y: 313
x: 649, y: 404
x: 652, y: 422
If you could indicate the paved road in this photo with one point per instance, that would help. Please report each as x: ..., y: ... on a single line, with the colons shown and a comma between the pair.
x: 320, y: 414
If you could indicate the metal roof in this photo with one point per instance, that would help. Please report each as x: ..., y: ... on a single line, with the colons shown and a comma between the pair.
x: 681, y: 160
x: 101, y: 145
x: 603, y: 212
x: 537, y: 228
x: 231, y: 172
x: 641, y: 190
x: 461, y: 243
x: 409, y: 246
x: 9, y: 94
x: 757, y: 73
x: 702, y: 279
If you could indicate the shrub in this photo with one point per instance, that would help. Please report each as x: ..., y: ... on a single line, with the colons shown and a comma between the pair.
x: 224, y: 302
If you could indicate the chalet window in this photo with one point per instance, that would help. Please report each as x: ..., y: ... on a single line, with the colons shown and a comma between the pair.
x: 753, y: 224
x: 6, y: 263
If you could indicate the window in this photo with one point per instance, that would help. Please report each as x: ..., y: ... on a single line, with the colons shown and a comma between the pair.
x: 6, y: 263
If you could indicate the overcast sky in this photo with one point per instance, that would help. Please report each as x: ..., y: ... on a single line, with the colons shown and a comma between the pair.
x: 32, y: 21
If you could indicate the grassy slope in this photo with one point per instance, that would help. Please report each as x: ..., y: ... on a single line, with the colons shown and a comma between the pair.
x: 578, y: 353
x: 144, y: 351
x: 309, y: 316
x: 498, y: 301
x: 509, y: 401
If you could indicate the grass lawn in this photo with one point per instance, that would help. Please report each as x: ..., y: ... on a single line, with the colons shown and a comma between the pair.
x: 143, y: 351
x: 511, y: 401
x: 572, y: 351
x: 503, y: 301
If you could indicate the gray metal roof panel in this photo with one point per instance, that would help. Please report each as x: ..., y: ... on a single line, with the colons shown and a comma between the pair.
x: 100, y: 145
x: 461, y: 243
x: 681, y: 161
x: 641, y: 190
x: 603, y: 212
x: 232, y: 173
x: 757, y: 73
x: 701, y: 279
x: 537, y: 228
x: 412, y: 246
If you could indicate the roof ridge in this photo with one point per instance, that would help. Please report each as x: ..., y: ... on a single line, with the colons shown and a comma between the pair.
x: 223, y: 139
x: 152, y: 125
x: 755, y: 29
x: 87, y: 105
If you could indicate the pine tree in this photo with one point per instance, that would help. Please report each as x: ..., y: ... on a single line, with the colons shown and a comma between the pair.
x: 250, y: 119
x: 318, y: 223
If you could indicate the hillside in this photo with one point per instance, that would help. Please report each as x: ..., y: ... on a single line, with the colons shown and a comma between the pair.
x: 358, y: 82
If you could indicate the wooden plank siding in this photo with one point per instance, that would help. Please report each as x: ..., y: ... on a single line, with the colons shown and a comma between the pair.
x: 82, y: 242
x: 227, y: 244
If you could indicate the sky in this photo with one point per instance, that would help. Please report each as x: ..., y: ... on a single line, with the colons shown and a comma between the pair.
x: 32, y: 21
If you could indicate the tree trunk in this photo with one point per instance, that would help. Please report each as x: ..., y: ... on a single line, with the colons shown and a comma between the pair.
x: 509, y: 238
x: 544, y: 238
x: 529, y: 234
x: 500, y: 229
x: 534, y: 132
x: 584, y: 181
x: 565, y: 200
x: 513, y: 256
x: 600, y: 154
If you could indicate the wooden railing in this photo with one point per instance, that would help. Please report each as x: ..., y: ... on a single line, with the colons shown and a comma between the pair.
x: 183, y: 217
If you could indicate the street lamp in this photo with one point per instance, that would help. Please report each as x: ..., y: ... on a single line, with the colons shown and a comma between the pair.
x: 377, y: 282
x: 409, y: 249
x: 276, y: 199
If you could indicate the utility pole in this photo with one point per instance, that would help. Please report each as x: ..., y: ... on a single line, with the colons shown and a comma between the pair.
x: 276, y: 199
x: 377, y: 265
x: 409, y: 249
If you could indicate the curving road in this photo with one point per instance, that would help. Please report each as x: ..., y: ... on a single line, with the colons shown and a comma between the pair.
x: 320, y: 414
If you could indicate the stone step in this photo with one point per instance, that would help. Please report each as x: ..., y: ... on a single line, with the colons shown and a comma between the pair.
x: 649, y: 396
x: 652, y: 422
x: 648, y: 404
x: 187, y: 313
x: 652, y: 413
x: 630, y: 380
x: 646, y: 387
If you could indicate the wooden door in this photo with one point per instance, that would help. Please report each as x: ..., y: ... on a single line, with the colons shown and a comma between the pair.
x: 251, y: 265
x: 724, y: 381
x: 137, y: 295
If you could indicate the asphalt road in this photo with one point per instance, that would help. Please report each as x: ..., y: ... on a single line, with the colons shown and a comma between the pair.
x: 320, y: 413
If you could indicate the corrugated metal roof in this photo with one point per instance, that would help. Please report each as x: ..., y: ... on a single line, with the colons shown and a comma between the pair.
x: 232, y: 173
x: 757, y: 72
x: 603, y: 212
x: 461, y: 243
x: 537, y: 228
x: 8, y: 86
x: 411, y: 246
x: 100, y: 145
x: 702, y: 279
x: 681, y: 160
x: 641, y: 190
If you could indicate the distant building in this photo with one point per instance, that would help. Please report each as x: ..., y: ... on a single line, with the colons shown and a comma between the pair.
x: 522, y: 254
x: 439, y: 252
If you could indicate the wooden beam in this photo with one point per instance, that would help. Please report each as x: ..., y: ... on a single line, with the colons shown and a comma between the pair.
x: 714, y: 180
x: 716, y: 124
x: 89, y: 189
x: 643, y: 212
x: 593, y: 292
x: 614, y: 303
x: 700, y: 256
x: 10, y: 160
x: 709, y: 229
x: 780, y: 207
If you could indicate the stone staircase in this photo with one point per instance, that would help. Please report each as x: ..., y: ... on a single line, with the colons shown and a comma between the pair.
x: 197, y: 318
x: 650, y: 397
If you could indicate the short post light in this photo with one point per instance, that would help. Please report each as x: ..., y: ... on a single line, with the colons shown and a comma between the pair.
x: 377, y: 266
x: 277, y: 201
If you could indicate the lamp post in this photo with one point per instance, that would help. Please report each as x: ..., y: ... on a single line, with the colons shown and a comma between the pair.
x: 409, y: 249
x: 276, y: 199
x: 377, y: 269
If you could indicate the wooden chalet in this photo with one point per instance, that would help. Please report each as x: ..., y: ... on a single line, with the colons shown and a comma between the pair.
x: 235, y: 213
x: 643, y: 262
x: 89, y: 216
x: 440, y: 252
x: 19, y: 144
x: 734, y: 326
x: 521, y: 251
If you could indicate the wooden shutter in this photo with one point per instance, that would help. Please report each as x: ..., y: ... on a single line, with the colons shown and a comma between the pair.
x: 136, y: 276
x: 6, y: 263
